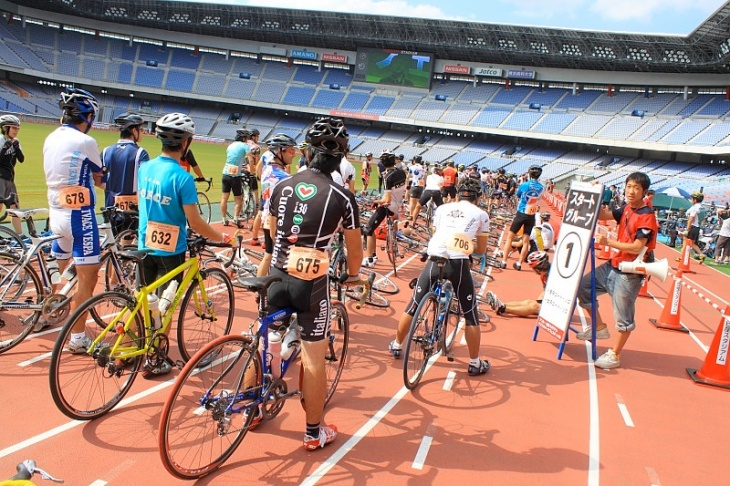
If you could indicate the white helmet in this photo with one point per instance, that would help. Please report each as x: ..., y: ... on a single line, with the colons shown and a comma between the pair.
x: 9, y: 121
x: 174, y: 128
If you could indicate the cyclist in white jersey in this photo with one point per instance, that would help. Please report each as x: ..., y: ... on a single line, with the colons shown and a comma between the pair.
x: 416, y: 179
x: 456, y: 224
x: 73, y: 167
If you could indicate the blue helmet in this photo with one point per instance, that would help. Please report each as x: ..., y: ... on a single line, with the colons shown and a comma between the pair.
x: 75, y: 101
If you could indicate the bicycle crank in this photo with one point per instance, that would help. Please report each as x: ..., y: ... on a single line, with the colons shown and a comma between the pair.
x: 56, y: 308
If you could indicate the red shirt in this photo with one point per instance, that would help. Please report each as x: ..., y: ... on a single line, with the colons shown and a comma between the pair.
x: 634, y: 224
x: 449, y: 176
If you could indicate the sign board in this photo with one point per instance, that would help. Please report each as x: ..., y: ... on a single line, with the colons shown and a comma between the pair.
x: 522, y: 74
x: 326, y: 56
x: 488, y: 72
x: 582, y: 206
x: 303, y: 54
x: 456, y: 69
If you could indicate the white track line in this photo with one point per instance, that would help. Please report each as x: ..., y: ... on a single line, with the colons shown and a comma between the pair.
x: 624, y: 411
x: 423, y: 449
x: 594, y: 444
x: 449, y: 381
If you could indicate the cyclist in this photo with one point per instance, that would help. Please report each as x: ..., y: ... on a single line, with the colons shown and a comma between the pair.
x: 695, y: 217
x: 303, y: 157
x: 73, y: 167
x: 500, y: 187
x: 306, y: 211
x: 540, y: 263
x: 367, y: 167
x: 11, y: 153
x: 167, y: 204
x: 415, y: 180
x: 189, y: 162
x: 462, y: 220
x: 431, y: 191
x: 448, y: 191
x: 122, y: 161
x: 389, y: 205
x: 283, y: 147
x: 529, y: 194
x: 347, y: 172
x: 236, y: 160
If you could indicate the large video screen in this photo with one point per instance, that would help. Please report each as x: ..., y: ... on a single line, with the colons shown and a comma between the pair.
x: 394, y: 67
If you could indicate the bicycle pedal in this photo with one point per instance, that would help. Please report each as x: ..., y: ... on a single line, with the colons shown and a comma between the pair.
x: 450, y: 357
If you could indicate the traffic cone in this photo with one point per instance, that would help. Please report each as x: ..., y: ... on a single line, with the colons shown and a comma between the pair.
x: 685, y: 257
x: 715, y: 370
x: 670, y: 314
x: 644, y: 291
x: 604, y: 253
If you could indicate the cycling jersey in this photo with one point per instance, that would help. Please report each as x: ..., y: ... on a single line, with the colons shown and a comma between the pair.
x: 11, y: 153
x: 529, y: 194
x: 416, y: 174
x: 454, y: 219
x: 347, y: 171
x: 187, y: 161
x: 122, y: 161
x: 449, y: 176
x: 236, y: 158
x: 395, y: 183
x: 309, y: 208
x: 164, y: 188
x: 434, y: 182
x: 270, y: 177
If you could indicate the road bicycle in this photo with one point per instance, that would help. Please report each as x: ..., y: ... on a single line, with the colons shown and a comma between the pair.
x: 26, y: 282
x: 25, y: 471
x: 88, y: 384
x: 394, y: 248
x: 433, y: 329
x: 248, y: 204
x: 204, y: 208
x: 233, y: 383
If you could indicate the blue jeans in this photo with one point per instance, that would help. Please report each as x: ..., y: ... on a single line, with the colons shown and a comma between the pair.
x: 622, y: 287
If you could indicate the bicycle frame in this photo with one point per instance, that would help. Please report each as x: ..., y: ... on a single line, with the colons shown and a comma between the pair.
x: 37, y: 244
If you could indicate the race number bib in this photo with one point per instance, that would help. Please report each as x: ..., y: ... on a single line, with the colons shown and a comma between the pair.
x: 307, y: 263
x: 125, y: 203
x: 161, y: 236
x: 460, y: 243
x: 532, y: 209
x: 231, y: 170
x: 74, y: 197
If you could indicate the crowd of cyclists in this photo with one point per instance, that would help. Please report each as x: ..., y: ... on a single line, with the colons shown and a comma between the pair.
x: 299, y: 212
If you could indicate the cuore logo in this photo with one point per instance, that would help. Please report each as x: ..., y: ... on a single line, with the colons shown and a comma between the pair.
x: 305, y: 191
x: 298, y: 219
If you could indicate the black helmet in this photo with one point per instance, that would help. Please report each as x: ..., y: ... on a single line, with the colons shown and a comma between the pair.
x: 535, y: 171
x: 545, y: 216
x: 387, y: 158
x: 469, y: 188
x: 501, y: 170
x: 174, y: 128
x: 75, y: 101
x: 329, y: 136
x: 125, y: 121
x: 698, y: 196
x: 400, y: 157
x: 280, y: 141
x: 417, y: 159
x: 254, y: 132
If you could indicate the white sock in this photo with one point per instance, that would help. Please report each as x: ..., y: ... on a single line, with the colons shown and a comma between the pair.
x: 475, y: 362
x: 77, y: 336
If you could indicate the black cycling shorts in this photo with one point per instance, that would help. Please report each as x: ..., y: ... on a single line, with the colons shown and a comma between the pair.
x: 311, y: 299
x: 447, y: 191
x: 416, y: 191
x: 431, y: 194
x: 378, y: 216
x: 232, y: 184
x: 524, y: 221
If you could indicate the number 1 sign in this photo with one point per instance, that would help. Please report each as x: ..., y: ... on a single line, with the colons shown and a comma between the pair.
x: 582, y: 206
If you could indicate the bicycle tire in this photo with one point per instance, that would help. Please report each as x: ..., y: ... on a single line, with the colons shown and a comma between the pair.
x: 383, y: 284
x: 11, y: 242
x: 195, y: 440
x: 449, y: 329
x: 204, y: 208
x: 119, y: 273
x: 248, y: 212
x: 197, y: 327
x: 81, y: 384
x: 127, y: 239
x: 419, y: 345
x: 373, y: 298
x: 338, y: 338
x: 391, y: 249
x: 18, y: 323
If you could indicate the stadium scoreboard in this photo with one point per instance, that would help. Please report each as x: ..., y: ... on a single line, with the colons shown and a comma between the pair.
x: 394, y: 67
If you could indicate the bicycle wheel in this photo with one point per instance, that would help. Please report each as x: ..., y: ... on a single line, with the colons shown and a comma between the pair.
x: 127, y: 239
x: 11, y: 242
x: 119, y: 273
x: 203, y: 419
x: 383, y: 284
x: 338, y: 338
x: 86, y: 385
x: 420, y: 345
x: 26, y: 287
x: 248, y: 212
x: 449, y: 328
x: 373, y: 298
x: 204, y: 208
x: 391, y: 248
x: 200, y: 321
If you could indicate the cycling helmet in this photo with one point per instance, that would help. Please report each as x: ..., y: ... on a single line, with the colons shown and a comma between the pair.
x: 545, y: 216
x: 126, y: 120
x: 462, y: 166
x: 698, y: 196
x: 174, y: 128
x: 75, y: 101
x: 280, y: 141
x: 388, y: 158
x: 535, y: 171
x: 501, y: 170
x: 9, y: 121
x: 329, y: 136
x: 538, y: 260
x: 469, y: 187
x: 417, y: 159
x: 483, y: 170
x: 400, y: 157
x: 254, y: 132
x: 369, y: 154
x: 243, y: 132
x: 303, y: 145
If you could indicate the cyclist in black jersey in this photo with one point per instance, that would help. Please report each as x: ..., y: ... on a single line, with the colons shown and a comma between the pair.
x: 305, y: 212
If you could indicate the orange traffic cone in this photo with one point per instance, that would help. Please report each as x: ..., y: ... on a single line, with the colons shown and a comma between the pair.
x: 715, y: 370
x: 604, y: 253
x: 670, y: 314
x: 685, y: 257
x: 644, y: 291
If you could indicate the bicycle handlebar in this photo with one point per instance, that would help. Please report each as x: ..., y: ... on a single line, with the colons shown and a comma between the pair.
x: 27, y: 469
x: 209, y: 180
x: 127, y: 212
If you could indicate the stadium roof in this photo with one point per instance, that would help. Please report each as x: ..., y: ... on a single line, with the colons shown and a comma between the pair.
x: 705, y: 50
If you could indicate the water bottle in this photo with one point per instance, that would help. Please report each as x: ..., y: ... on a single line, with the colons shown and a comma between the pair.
x: 154, y: 302
x: 447, y: 290
x: 291, y: 341
x: 53, y: 273
x: 275, y: 350
x: 167, y: 296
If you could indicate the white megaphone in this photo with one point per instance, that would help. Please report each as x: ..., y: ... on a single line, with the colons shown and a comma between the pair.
x: 658, y: 269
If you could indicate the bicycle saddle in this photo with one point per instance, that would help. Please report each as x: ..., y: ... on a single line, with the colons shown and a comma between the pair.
x: 257, y: 284
x: 27, y: 213
x: 137, y: 255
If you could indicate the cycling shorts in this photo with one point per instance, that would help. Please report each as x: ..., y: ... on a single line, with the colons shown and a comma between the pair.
x: 79, y: 235
x: 416, y: 191
x: 232, y: 184
x: 524, y: 221
x: 447, y: 191
x: 311, y: 299
x: 433, y: 194
x: 378, y: 216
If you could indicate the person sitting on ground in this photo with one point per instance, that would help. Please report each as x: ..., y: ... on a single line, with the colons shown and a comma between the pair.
x: 539, y: 261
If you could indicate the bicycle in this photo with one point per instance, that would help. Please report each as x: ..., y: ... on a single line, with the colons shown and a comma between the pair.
x: 89, y: 384
x: 224, y: 387
x: 26, y: 289
x: 204, y: 208
x: 392, y: 244
x: 248, y: 204
x: 430, y: 333
x: 26, y: 470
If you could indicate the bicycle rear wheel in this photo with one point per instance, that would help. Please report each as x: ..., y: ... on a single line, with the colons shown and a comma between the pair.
x: 248, y: 212
x: 86, y: 385
x: 119, y: 273
x: 391, y: 248
x: 201, y: 321
x: 383, y: 284
x: 206, y: 415
x: 338, y: 338
x: 26, y: 287
x: 10, y: 242
x: 373, y: 298
x: 204, y: 208
x: 449, y: 329
x: 420, y: 345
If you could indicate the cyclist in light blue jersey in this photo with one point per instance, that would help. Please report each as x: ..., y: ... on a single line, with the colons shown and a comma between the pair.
x: 529, y: 194
x: 236, y: 162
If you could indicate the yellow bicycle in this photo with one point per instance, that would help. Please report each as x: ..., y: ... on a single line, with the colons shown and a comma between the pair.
x: 89, y: 383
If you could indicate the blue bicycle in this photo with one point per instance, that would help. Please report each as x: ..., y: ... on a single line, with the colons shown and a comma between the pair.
x: 234, y: 382
x: 433, y: 328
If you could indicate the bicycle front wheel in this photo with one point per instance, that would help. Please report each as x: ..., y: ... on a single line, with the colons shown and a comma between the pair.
x: 209, y: 410
x: 420, y: 344
x: 11, y: 242
x: 383, y: 284
x: 338, y: 338
x: 202, y: 320
x: 86, y: 385
x: 204, y: 208
x: 16, y: 322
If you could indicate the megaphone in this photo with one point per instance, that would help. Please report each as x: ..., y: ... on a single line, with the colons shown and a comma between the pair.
x: 658, y: 269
